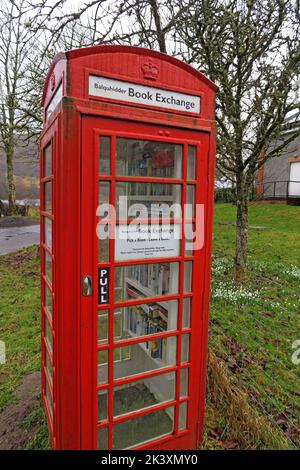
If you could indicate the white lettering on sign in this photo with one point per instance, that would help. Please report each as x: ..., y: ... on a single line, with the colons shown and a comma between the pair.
x: 138, y: 241
x: 146, y: 95
x: 103, y: 286
x: 54, y: 101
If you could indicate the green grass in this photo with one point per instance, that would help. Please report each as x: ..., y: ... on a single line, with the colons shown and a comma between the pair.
x: 253, y: 325
x: 280, y: 243
x: 19, y: 319
x: 41, y: 439
x: 34, y: 213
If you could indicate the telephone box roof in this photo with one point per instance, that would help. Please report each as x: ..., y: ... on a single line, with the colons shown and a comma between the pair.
x: 93, y: 50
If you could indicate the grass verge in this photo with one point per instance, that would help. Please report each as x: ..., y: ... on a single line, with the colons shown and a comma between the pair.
x: 253, y: 325
x: 19, y: 318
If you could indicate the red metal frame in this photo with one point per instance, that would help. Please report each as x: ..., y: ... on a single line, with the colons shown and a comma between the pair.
x: 49, y: 139
x: 74, y: 129
x: 93, y: 128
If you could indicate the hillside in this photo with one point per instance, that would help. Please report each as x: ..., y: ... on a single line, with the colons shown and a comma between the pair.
x: 26, y: 171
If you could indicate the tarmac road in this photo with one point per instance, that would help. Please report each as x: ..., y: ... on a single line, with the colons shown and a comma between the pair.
x: 16, y: 238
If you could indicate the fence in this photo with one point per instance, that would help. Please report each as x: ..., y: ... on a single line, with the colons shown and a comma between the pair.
x: 280, y: 189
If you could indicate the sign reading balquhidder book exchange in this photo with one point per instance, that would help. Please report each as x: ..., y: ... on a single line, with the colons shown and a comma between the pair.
x: 149, y: 96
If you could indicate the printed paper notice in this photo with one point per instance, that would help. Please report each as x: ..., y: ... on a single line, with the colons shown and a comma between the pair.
x: 138, y: 241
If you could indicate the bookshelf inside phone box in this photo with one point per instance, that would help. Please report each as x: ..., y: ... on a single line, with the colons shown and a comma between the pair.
x: 127, y: 177
x: 148, y: 280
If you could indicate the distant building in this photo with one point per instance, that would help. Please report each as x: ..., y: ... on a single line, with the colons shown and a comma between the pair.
x: 279, y: 177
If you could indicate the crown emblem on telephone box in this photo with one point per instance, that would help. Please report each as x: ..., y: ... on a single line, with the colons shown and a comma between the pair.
x: 150, y: 70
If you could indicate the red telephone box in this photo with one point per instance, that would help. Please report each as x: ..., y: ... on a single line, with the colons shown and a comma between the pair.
x: 125, y: 316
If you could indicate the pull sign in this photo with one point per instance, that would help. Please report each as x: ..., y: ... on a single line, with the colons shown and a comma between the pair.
x: 103, y: 286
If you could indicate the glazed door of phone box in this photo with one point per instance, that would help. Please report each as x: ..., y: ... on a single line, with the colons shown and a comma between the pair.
x: 143, y: 190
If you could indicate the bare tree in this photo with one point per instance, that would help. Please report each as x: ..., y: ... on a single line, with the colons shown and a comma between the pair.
x: 61, y: 26
x: 31, y: 32
x: 97, y: 18
x: 251, y: 50
x: 152, y: 24
x: 73, y: 35
x: 148, y: 23
x: 14, y: 50
x: 23, y: 64
x: 57, y: 27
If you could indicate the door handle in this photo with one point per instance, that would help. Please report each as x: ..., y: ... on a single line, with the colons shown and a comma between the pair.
x: 87, y: 286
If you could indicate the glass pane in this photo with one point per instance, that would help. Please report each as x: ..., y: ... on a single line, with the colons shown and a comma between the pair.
x: 189, y: 233
x: 148, y: 199
x: 191, y: 169
x: 48, y: 232
x: 122, y: 354
x: 48, y: 197
x: 145, y: 280
x: 146, y: 319
x: 102, y: 405
x: 103, y: 228
x: 102, y: 366
x: 104, y: 188
x: 190, y: 201
x: 48, y: 266
x: 144, y: 393
x: 48, y: 300
x: 118, y: 325
x: 104, y: 158
x: 102, y: 326
x: 48, y: 334
x: 103, y: 246
x: 188, y: 265
x: 185, y: 348
x: 184, y: 382
x: 103, y: 439
x: 186, y: 313
x: 49, y: 400
x: 183, y: 416
x: 148, y: 158
x: 143, y: 357
x: 144, y: 428
x: 48, y: 160
x: 48, y: 366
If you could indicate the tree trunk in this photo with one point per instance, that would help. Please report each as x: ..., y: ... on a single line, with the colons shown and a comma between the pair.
x: 241, y: 249
x: 12, y: 209
x: 161, y: 39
